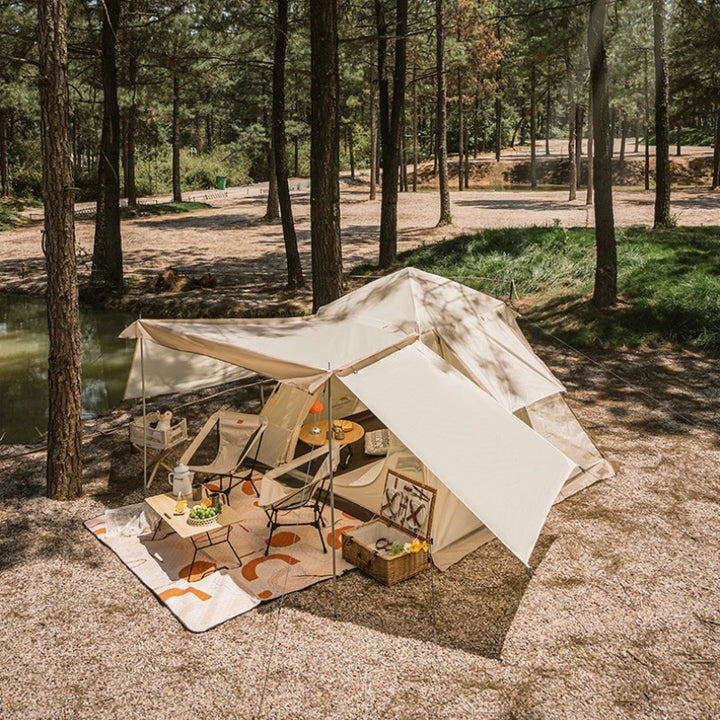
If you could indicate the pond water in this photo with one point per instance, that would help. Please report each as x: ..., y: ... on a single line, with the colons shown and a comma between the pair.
x: 23, y: 365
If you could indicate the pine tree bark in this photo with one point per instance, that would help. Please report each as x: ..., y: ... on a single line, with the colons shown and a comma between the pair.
x: 175, y: 139
x: 461, y: 131
x: 272, y: 207
x: 294, y: 268
x: 605, y: 292
x: 107, y: 265
x: 64, y: 457
x: 325, y: 154
x: 590, y: 151
x: 662, y: 119
x: 415, y: 128
x: 373, y: 128
x: 4, y: 158
x: 391, y: 114
x: 533, y: 125
x: 716, y: 154
x: 441, y: 115
x: 130, y: 135
x: 572, y: 132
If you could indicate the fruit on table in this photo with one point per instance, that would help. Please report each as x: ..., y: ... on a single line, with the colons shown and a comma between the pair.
x: 200, y: 512
x: 180, y: 506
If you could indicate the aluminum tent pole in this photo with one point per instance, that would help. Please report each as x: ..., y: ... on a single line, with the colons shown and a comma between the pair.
x: 145, y: 428
x: 332, y: 495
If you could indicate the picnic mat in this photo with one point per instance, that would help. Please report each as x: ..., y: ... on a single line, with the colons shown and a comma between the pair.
x: 218, y: 589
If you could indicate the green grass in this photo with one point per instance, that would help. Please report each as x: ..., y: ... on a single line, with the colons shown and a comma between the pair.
x: 668, y: 281
x: 9, y: 215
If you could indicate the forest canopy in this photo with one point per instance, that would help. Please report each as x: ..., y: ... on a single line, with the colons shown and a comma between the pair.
x: 211, y: 64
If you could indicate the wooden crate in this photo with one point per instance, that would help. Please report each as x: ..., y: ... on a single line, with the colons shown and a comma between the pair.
x: 406, y: 513
x: 157, y: 439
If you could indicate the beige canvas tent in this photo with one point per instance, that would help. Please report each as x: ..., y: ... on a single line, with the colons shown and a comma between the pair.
x: 471, y: 410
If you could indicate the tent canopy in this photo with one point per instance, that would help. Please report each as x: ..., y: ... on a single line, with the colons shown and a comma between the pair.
x: 444, y: 367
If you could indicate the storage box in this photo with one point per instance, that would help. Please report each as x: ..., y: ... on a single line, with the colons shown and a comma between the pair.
x: 157, y: 439
x: 406, y: 513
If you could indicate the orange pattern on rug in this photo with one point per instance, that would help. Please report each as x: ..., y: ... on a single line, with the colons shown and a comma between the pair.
x: 219, y: 588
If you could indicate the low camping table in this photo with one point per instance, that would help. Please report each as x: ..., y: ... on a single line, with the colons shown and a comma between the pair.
x: 355, y: 433
x: 164, y: 505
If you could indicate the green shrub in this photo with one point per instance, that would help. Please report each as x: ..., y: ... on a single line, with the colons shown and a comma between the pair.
x: 7, y: 214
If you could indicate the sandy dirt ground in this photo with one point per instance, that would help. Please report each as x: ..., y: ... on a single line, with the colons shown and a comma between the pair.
x: 621, y: 617
x: 245, y: 254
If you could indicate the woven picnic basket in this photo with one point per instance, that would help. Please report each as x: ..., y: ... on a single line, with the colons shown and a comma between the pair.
x: 366, y: 545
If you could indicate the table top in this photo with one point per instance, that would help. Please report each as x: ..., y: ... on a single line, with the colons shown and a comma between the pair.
x: 352, y: 435
x: 164, y: 505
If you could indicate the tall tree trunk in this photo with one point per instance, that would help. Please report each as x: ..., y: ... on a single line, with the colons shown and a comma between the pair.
x: 662, y: 120
x: 294, y: 268
x: 272, y: 206
x: 548, y: 111
x: 646, y: 127
x: 415, y: 128
x: 605, y: 293
x: 572, y: 169
x: 716, y: 154
x: 498, y: 114
x: 461, y: 131
x: 351, y: 149
x: 403, y: 156
x: 373, y: 127
x: 64, y: 456
x: 590, y: 150
x: 325, y: 154
x: 4, y: 156
x: 130, y: 135
x: 176, y: 190
x: 533, y: 125
x: 441, y: 115
x: 579, y: 123
x: 391, y: 113
x: 107, y: 265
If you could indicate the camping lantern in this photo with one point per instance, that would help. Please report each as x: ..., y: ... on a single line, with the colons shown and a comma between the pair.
x: 315, y: 409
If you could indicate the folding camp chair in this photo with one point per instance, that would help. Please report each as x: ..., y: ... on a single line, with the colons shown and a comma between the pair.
x: 238, y: 435
x: 277, y: 498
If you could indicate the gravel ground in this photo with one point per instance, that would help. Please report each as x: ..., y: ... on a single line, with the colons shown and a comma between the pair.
x: 621, y: 617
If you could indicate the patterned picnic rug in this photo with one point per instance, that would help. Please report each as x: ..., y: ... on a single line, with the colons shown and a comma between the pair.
x: 218, y: 589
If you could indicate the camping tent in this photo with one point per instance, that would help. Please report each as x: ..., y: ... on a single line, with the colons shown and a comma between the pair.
x: 472, y: 410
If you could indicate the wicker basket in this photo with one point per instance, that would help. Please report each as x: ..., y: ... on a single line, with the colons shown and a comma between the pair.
x: 367, y: 545
x: 359, y: 548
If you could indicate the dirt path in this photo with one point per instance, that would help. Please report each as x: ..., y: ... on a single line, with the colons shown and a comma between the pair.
x: 245, y: 254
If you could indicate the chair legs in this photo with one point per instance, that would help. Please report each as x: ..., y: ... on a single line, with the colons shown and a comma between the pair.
x: 225, y: 492
x: 273, y: 524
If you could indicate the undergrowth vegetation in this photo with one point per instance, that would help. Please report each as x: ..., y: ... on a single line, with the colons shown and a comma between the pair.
x: 668, y: 281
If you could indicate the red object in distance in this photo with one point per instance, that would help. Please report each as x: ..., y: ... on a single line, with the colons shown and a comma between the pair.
x: 316, y: 408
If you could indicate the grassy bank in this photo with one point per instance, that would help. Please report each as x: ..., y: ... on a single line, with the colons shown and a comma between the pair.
x: 668, y: 281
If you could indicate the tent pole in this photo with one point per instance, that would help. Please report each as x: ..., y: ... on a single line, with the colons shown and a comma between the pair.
x: 332, y: 495
x: 142, y: 380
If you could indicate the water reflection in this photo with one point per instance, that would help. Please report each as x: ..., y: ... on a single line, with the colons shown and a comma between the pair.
x: 23, y: 365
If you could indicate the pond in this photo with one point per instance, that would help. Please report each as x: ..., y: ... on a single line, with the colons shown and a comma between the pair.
x: 23, y: 365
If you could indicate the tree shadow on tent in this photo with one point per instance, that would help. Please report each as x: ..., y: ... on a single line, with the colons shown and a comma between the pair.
x: 470, y: 606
